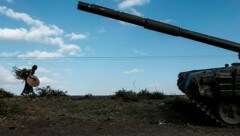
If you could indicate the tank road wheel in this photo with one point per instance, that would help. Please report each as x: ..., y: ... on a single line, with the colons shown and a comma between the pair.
x: 229, y: 112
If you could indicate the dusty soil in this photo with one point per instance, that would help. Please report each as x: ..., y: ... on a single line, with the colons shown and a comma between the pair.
x: 104, y: 116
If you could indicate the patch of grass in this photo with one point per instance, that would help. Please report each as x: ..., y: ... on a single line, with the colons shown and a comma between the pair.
x: 49, y: 92
x: 106, y: 110
x: 5, y: 94
x: 8, y: 108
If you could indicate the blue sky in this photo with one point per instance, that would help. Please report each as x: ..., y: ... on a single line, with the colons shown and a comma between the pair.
x: 67, y: 44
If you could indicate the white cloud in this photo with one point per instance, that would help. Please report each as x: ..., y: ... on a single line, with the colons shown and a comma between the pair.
x: 43, y: 30
x: 102, y: 30
x: 139, y: 52
x: 124, y: 23
x: 19, y: 16
x: 169, y: 21
x: 89, y: 50
x: 57, y: 75
x: 43, y: 70
x: 135, y: 12
x: 133, y: 71
x: 45, y: 81
x: 39, y: 33
x: 69, y: 49
x: 7, y: 79
x: 12, y: 34
x: 40, y: 55
x: 9, y: 1
x: 74, y: 36
x: 48, y: 81
x: 127, y: 4
x: 9, y: 54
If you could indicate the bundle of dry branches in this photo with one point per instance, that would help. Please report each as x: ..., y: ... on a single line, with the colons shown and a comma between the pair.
x: 21, y: 74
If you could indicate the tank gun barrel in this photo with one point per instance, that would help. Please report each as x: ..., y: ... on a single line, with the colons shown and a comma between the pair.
x: 159, y: 26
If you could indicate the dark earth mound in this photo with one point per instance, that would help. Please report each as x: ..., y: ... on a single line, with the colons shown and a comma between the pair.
x: 173, y: 115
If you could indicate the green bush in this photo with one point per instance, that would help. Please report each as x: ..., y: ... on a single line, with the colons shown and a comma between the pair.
x: 133, y: 96
x: 5, y: 94
x: 88, y: 96
x: 157, y: 95
x: 144, y: 94
x: 126, y: 95
x: 49, y: 92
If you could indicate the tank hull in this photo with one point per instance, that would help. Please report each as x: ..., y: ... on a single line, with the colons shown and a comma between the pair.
x: 215, y: 91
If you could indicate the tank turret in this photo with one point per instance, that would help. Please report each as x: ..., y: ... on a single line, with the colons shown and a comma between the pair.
x: 215, y: 91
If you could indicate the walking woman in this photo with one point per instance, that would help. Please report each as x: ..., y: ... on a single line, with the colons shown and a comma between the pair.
x: 26, y: 74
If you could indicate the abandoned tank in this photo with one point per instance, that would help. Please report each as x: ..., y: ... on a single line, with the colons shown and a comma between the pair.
x: 215, y: 91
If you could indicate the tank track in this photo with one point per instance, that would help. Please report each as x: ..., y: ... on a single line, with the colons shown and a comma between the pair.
x: 209, y: 111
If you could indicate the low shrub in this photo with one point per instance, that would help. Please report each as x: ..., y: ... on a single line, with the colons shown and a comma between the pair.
x: 88, y: 96
x: 5, y: 94
x: 144, y: 94
x: 49, y: 92
x: 157, y: 95
x: 133, y: 96
x: 126, y: 95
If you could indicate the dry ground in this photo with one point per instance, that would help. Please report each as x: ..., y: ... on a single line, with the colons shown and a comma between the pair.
x: 173, y: 115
